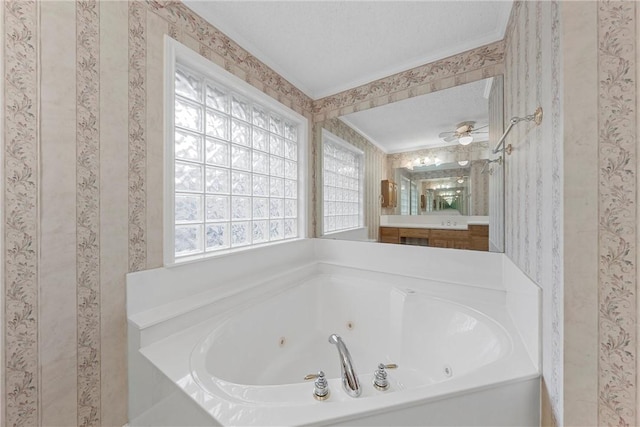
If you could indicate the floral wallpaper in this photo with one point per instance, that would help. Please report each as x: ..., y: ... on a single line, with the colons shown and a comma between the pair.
x: 617, y: 228
x: 532, y: 49
x: 533, y: 187
x: 137, y: 137
x: 98, y: 399
x: 475, y: 64
x: 535, y: 176
x: 21, y: 172
x: 88, y: 210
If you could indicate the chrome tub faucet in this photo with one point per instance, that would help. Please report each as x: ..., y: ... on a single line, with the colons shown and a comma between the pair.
x: 350, y: 381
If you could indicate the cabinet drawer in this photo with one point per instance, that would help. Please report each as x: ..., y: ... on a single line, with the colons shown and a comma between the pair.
x: 419, y: 233
x: 479, y: 230
x: 389, y: 231
x: 450, y: 234
x: 389, y: 235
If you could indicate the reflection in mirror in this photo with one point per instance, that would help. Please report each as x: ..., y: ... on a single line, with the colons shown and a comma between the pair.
x: 448, y: 189
x: 439, y: 174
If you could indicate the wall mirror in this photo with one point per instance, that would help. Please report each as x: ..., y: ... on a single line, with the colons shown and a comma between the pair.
x: 434, y: 170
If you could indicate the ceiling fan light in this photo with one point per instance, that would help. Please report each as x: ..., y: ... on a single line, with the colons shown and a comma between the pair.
x: 460, y: 181
x: 465, y: 140
x: 463, y: 162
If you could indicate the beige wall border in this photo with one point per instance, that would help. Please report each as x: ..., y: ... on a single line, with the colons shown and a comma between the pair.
x: 466, y: 67
x: 617, y: 193
x: 21, y: 204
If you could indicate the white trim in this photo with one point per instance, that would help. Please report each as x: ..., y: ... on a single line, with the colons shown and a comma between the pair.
x: 175, y: 51
x: 169, y: 152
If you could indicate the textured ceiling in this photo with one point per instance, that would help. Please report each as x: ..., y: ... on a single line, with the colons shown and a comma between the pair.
x: 415, y: 123
x: 324, y: 47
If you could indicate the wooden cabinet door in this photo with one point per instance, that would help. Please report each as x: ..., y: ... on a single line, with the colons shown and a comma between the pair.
x: 389, y: 235
x: 479, y: 237
x: 389, y: 194
x: 394, y: 195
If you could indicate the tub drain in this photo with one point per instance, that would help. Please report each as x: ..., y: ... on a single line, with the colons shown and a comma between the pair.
x: 282, y: 341
x: 448, y: 371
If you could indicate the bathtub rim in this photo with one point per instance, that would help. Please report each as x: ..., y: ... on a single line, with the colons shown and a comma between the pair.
x: 175, y: 365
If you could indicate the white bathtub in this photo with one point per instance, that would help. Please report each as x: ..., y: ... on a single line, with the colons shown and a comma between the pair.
x: 460, y: 359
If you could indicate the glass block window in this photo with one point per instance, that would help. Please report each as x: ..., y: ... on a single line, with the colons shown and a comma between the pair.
x: 414, y: 198
x: 404, y: 196
x: 343, y: 173
x: 236, y: 169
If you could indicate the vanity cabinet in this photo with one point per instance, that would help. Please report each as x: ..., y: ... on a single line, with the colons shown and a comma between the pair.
x: 479, y: 237
x: 389, y: 193
x: 475, y: 238
x: 389, y: 235
x: 455, y: 239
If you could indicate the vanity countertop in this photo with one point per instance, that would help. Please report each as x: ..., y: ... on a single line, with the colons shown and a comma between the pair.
x: 478, y: 222
x: 434, y: 226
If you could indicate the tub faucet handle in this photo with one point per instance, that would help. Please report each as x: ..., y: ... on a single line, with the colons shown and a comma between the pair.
x: 380, y: 376
x: 321, y: 385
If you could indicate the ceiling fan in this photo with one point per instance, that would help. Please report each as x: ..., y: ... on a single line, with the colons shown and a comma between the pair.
x: 463, y: 134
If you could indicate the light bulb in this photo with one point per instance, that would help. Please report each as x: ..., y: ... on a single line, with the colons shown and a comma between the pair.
x: 460, y: 181
x: 463, y: 162
x: 465, y: 140
x: 437, y: 161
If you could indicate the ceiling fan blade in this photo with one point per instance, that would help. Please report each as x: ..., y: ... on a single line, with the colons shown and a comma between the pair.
x: 480, y: 127
x: 475, y: 133
x: 450, y: 138
x: 445, y: 134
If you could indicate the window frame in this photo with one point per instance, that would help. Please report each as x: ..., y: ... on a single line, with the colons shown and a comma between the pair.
x: 361, y: 214
x: 175, y: 53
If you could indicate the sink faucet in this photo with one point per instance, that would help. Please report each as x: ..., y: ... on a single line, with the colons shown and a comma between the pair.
x: 350, y: 381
